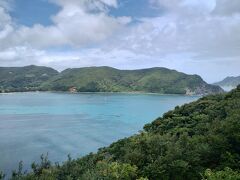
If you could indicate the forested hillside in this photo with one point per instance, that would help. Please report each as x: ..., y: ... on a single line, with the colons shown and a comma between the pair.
x: 200, y: 140
x: 103, y: 79
x: 107, y: 79
x: 28, y: 78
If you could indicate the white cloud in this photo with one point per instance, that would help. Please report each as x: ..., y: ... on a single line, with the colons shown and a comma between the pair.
x: 6, y: 4
x: 5, y: 23
x: 184, y: 30
x: 86, y: 3
x: 74, y: 25
x: 21, y: 56
x: 186, y: 7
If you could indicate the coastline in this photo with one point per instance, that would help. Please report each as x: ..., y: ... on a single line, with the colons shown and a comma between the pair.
x: 106, y: 92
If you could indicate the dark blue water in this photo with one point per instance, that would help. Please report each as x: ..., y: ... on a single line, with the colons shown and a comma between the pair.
x: 60, y: 123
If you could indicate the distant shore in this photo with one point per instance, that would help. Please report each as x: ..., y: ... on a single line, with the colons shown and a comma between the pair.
x: 123, y: 92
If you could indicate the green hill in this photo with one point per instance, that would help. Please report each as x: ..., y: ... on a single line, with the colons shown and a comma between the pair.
x: 107, y: 79
x: 200, y: 140
x: 27, y: 78
x: 103, y: 79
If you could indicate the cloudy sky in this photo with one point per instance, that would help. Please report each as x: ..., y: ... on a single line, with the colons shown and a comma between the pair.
x: 193, y: 36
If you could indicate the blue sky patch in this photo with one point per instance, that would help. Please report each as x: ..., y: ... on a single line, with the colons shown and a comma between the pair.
x: 30, y: 12
x: 135, y: 9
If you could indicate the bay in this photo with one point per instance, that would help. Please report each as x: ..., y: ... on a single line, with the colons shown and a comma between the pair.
x: 59, y: 124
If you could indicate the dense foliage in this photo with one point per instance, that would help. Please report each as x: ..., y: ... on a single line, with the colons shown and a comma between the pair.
x: 27, y: 78
x: 226, y: 174
x: 107, y: 79
x: 200, y: 140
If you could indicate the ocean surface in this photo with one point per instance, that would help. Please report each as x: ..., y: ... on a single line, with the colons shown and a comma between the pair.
x: 59, y: 124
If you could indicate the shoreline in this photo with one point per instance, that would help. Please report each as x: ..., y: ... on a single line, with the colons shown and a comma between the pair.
x: 123, y: 92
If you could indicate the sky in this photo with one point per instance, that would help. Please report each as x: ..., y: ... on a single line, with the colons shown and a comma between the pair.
x: 192, y: 36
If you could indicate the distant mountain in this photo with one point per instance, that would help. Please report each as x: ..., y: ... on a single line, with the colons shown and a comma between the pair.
x: 107, y: 79
x: 102, y: 79
x: 229, y: 82
x: 27, y: 78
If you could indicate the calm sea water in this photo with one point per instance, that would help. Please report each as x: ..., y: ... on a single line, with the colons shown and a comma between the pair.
x: 60, y: 123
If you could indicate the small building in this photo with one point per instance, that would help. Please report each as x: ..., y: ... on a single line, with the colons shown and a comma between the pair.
x: 72, y: 90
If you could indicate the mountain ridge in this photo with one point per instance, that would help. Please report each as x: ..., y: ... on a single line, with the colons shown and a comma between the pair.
x: 230, y: 81
x: 104, y: 79
x: 108, y: 79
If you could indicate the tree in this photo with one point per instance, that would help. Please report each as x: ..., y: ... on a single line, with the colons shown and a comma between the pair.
x: 226, y: 174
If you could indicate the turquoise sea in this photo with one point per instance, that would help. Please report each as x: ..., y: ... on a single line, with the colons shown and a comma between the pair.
x: 62, y: 123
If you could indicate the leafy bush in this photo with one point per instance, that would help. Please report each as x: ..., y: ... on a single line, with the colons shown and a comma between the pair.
x: 226, y: 174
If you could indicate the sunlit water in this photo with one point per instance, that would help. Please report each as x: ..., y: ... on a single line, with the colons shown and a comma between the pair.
x: 60, y: 123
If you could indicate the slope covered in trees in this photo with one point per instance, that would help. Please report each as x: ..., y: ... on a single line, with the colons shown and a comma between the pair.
x: 28, y: 78
x: 107, y: 79
x: 102, y: 79
x: 200, y: 140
